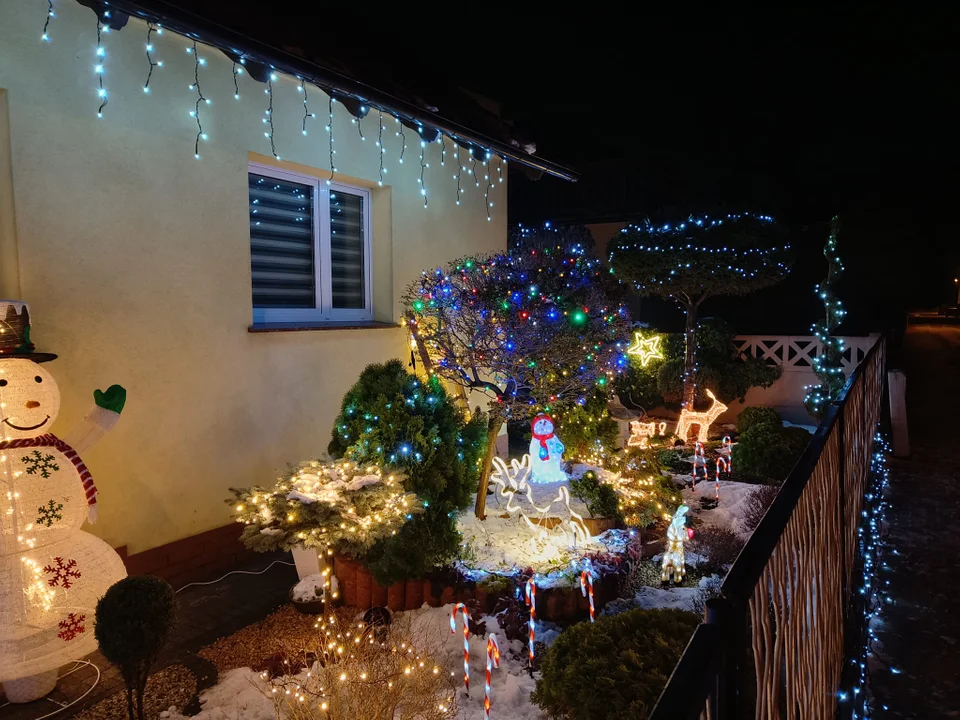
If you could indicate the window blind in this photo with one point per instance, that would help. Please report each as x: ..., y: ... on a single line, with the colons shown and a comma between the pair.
x: 346, y: 250
x: 282, y: 243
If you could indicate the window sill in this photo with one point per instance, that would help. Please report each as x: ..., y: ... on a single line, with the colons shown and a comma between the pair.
x: 270, y: 327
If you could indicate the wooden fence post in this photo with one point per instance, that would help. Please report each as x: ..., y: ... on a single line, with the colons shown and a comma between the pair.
x: 897, y: 384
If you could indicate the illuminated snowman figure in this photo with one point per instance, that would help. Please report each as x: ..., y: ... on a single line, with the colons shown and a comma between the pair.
x: 546, y: 452
x: 51, y: 572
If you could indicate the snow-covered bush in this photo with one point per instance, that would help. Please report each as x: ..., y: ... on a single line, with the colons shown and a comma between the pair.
x: 614, y: 668
x: 323, y: 504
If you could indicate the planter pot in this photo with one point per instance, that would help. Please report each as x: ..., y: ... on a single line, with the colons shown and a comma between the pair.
x: 310, y: 607
x: 428, y: 596
x: 346, y: 572
x: 28, y: 689
x: 446, y: 597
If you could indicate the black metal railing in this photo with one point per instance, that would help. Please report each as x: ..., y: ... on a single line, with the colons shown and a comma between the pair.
x: 772, y: 644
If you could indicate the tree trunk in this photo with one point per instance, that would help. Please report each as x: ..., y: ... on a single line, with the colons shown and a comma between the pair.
x: 130, y: 711
x: 141, y: 689
x: 493, y: 429
x: 690, y: 359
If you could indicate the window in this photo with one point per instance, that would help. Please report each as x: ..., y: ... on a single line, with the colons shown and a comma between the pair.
x: 309, y: 248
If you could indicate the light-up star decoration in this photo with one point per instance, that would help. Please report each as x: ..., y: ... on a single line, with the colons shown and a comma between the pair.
x: 646, y: 349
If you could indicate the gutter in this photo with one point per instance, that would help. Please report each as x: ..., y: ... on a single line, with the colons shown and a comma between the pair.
x: 191, y: 25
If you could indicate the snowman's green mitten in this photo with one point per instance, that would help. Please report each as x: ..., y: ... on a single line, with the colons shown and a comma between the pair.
x: 113, y: 399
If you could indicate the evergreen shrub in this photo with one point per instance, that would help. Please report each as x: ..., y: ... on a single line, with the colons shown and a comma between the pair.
x: 614, y: 668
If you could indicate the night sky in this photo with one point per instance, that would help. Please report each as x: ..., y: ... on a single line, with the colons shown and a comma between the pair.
x: 798, y: 113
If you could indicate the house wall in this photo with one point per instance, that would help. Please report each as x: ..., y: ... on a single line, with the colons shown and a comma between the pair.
x: 134, y: 257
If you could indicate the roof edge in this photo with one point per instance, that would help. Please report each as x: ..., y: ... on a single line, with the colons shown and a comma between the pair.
x: 189, y: 24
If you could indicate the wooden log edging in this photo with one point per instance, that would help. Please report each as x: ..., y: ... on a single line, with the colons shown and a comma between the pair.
x: 360, y: 590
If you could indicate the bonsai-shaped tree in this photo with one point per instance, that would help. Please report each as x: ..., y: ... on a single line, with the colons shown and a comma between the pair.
x: 531, y: 329
x: 828, y: 365
x: 720, y: 367
x: 394, y: 419
x: 134, y: 621
x: 699, y: 259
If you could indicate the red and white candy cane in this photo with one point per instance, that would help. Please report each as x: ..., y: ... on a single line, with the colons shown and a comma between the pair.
x: 697, y: 457
x: 586, y: 587
x: 729, y: 446
x: 530, y: 592
x: 462, y: 609
x: 721, y: 462
x: 493, y: 661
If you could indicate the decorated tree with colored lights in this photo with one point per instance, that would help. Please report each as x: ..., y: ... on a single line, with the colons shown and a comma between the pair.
x: 699, y: 259
x: 575, y: 239
x: 532, y: 330
x: 828, y: 365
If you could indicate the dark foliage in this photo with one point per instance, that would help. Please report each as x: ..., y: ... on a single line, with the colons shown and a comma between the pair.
x: 134, y: 621
x: 769, y: 452
x: 601, y: 499
x: 614, y: 668
x: 756, y: 506
x: 392, y: 418
x: 751, y: 416
x: 719, y: 545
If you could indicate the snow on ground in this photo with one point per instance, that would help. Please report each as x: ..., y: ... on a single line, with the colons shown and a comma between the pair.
x: 733, y: 501
x: 240, y: 694
x: 504, y: 542
x: 678, y: 598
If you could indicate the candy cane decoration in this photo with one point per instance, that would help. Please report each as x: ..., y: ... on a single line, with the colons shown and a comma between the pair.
x: 493, y: 661
x: 462, y: 609
x: 530, y: 591
x: 586, y: 581
x: 698, y: 455
x: 725, y: 464
x: 729, y: 447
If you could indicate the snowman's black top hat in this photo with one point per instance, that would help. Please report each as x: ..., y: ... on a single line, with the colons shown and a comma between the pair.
x: 15, y: 333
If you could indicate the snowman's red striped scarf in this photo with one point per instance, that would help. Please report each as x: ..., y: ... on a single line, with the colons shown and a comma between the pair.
x: 51, y: 440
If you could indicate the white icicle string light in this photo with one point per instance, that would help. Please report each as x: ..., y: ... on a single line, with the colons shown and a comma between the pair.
x: 268, y: 119
x: 195, y: 113
x: 333, y: 165
x: 101, y: 56
x: 151, y: 28
x: 302, y: 88
x: 380, y: 128
x: 51, y: 13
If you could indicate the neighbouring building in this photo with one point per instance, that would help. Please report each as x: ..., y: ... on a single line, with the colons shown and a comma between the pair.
x: 163, y: 245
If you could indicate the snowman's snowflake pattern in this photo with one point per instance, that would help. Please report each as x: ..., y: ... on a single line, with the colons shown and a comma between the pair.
x: 49, y: 513
x: 71, y: 626
x: 63, y: 573
x: 36, y: 463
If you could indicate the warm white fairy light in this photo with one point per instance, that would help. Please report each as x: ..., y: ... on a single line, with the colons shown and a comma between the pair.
x: 673, y: 567
x: 646, y: 348
x: 703, y: 420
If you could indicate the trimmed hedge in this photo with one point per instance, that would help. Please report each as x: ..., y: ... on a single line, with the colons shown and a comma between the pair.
x: 753, y: 416
x: 769, y: 452
x: 614, y: 668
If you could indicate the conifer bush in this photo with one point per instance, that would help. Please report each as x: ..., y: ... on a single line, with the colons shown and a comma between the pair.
x: 614, y: 668
x: 392, y: 418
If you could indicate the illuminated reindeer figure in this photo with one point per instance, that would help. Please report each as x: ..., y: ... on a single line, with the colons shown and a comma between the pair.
x: 702, y: 419
x: 640, y: 433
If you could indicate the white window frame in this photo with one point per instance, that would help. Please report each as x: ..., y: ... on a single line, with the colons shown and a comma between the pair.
x: 324, y: 312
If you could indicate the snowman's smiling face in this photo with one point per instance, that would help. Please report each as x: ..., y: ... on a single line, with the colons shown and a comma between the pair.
x: 543, y: 427
x: 29, y: 399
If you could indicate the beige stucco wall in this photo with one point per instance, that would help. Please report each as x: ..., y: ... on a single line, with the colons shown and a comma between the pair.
x: 134, y: 257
